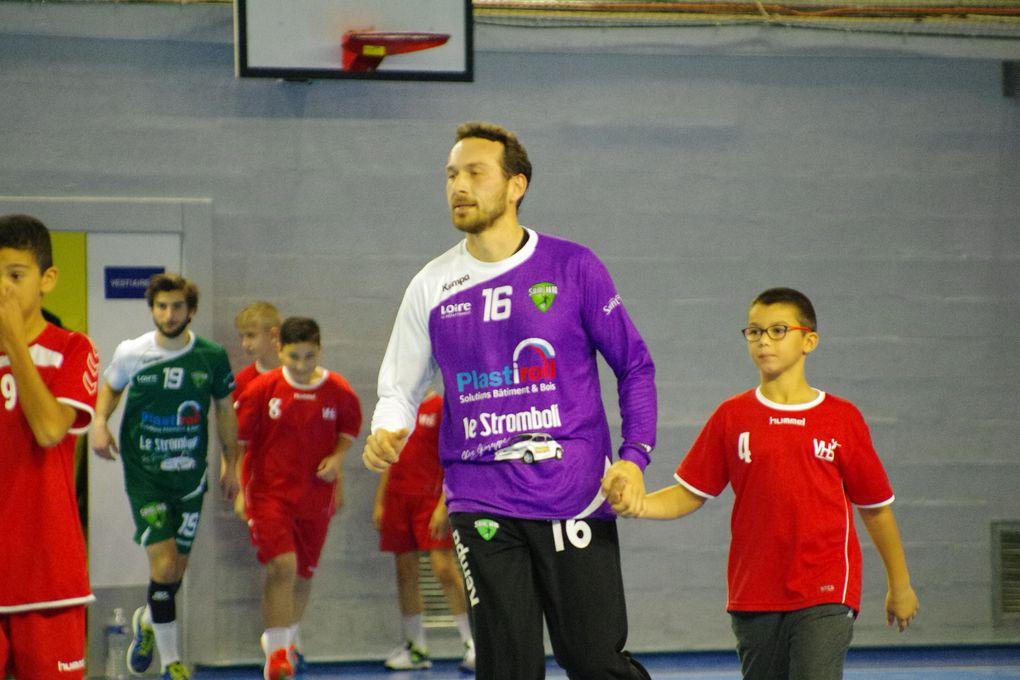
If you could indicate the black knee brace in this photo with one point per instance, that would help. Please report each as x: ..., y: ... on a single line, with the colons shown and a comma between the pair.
x: 162, y: 601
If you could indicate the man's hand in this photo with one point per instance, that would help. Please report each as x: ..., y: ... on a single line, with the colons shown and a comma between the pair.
x: 103, y: 444
x: 624, y: 488
x: 382, y: 448
x: 229, y: 484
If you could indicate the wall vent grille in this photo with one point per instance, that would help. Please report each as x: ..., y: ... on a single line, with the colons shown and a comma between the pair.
x: 436, y: 613
x: 1006, y: 572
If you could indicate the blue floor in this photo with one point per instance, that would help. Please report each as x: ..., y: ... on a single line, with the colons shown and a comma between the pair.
x: 929, y: 663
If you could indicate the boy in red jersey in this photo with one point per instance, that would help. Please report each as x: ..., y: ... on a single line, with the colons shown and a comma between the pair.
x: 258, y: 327
x: 410, y: 515
x: 798, y: 459
x: 48, y: 383
x: 296, y: 422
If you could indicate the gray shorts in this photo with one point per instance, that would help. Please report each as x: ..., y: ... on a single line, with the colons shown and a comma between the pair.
x: 804, y: 644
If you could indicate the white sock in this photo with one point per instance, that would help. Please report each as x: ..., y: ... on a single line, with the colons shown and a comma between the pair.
x: 464, y: 628
x: 166, y: 643
x: 414, y: 630
x: 276, y: 638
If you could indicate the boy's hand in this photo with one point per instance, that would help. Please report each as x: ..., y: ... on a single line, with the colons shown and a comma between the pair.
x: 624, y: 488
x: 329, y: 468
x: 439, y: 523
x: 901, y: 607
x: 103, y: 444
x: 382, y: 448
x: 12, y: 323
x: 240, y: 508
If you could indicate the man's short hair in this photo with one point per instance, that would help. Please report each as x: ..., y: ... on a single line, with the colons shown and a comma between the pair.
x: 168, y: 283
x: 265, y: 314
x: 299, y: 329
x: 789, y: 296
x: 24, y: 232
x: 515, y: 157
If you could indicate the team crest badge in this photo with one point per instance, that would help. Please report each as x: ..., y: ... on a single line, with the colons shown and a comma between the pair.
x: 154, y: 515
x: 199, y: 378
x: 486, y: 528
x: 543, y: 294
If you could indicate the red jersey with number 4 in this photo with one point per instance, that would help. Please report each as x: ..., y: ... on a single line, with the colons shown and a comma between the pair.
x: 418, y: 472
x: 288, y: 429
x: 796, y: 472
x: 42, y: 551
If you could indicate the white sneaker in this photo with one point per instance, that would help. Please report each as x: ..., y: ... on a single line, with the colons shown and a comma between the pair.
x: 296, y: 658
x: 408, y: 658
x: 467, y: 664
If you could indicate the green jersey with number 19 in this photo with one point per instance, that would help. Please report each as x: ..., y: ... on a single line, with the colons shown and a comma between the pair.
x: 164, y: 427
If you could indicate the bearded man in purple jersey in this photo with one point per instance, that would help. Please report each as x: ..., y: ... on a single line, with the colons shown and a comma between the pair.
x: 513, y: 319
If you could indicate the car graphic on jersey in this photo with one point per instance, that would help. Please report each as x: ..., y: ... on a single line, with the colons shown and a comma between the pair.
x: 530, y: 447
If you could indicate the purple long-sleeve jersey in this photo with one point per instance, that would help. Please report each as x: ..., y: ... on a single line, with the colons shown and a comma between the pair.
x: 524, y: 431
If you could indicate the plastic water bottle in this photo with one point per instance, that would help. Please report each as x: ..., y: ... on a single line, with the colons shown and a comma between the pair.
x: 118, y: 637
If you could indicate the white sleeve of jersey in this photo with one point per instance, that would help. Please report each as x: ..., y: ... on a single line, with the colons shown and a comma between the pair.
x: 407, y: 367
x: 118, y: 373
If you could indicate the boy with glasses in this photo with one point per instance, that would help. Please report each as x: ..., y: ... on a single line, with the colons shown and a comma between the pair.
x: 798, y: 459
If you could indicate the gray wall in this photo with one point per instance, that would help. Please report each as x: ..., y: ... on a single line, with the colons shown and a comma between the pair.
x: 883, y: 184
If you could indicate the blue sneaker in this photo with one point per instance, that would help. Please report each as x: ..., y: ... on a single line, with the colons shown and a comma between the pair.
x: 297, y: 660
x: 176, y: 671
x: 139, y: 653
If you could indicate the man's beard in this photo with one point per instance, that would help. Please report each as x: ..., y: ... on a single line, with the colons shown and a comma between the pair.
x: 175, y: 333
x: 484, y: 220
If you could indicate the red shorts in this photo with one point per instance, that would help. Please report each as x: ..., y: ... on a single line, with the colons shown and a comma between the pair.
x: 45, y: 644
x: 405, y: 524
x: 274, y: 531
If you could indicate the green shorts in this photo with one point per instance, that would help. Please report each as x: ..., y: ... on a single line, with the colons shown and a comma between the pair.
x: 159, y: 519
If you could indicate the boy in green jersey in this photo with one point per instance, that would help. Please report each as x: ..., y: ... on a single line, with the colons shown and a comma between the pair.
x: 173, y: 376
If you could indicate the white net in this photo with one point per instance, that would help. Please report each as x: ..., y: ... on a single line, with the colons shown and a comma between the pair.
x: 976, y: 18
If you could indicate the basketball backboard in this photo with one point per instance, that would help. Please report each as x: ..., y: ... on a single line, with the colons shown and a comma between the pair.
x: 365, y: 39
